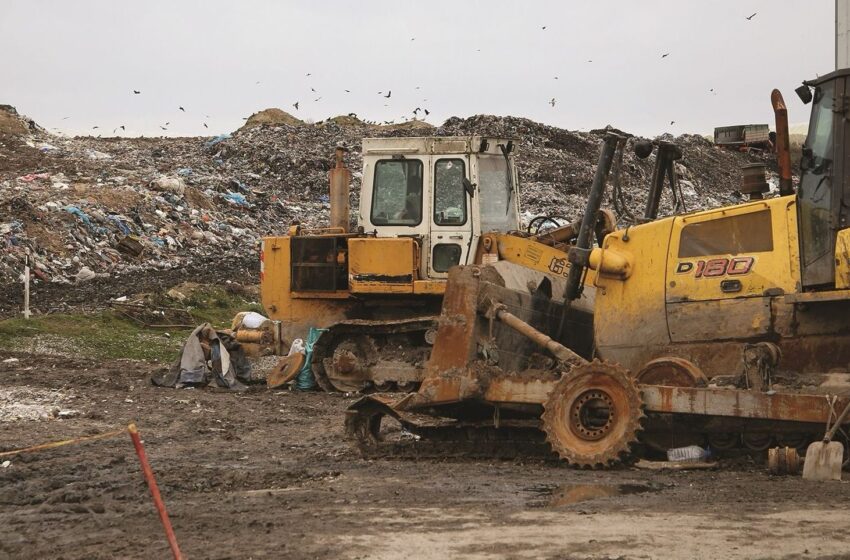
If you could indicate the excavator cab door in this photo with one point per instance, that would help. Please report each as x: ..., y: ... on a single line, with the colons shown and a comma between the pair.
x: 450, y: 238
x: 821, y: 196
x: 723, y: 267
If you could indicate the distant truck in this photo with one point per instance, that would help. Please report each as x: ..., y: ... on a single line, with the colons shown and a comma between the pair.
x: 744, y: 137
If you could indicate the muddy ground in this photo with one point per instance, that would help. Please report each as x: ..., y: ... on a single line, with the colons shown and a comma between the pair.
x: 269, y: 475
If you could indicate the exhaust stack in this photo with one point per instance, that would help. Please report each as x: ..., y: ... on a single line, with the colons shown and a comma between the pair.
x: 340, y: 186
x: 783, y: 143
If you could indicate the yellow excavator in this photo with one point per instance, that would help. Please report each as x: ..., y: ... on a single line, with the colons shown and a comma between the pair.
x: 727, y: 327
x: 373, y: 293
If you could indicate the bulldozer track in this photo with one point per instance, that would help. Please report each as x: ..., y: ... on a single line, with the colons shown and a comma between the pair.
x: 365, y: 346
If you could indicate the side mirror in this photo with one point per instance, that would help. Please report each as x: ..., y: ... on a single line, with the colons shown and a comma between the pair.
x: 806, y: 158
x: 804, y: 93
x: 469, y: 187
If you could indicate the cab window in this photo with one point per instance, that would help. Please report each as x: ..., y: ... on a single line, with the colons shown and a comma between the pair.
x: 449, y: 194
x: 498, y: 207
x: 744, y: 233
x: 397, y: 193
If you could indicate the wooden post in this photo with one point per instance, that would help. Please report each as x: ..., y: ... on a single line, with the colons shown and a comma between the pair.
x: 27, y: 288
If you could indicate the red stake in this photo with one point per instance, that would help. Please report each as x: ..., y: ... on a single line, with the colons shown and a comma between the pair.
x: 157, y: 499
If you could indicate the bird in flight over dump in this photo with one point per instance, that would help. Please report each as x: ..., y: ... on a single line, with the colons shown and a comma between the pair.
x: 750, y: 18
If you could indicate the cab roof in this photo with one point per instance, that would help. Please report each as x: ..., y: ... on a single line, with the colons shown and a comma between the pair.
x: 427, y: 145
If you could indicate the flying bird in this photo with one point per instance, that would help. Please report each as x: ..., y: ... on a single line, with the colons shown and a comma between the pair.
x: 427, y: 112
x: 205, y: 125
x: 168, y: 123
x: 65, y: 118
x: 751, y: 17
x: 389, y: 93
x: 163, y: 128
x: 122, y: 127
x: 552, y: 102
x: 94, y: 127
x: 318, y: 98
x: 312, y: 89
x: 182, y: 109
x: 413, y: 38
x: 416, y: 111
x: 347, y: 91
x: 295, y: 105
x: 665, y: 55
x: 309, y: 74
x: 672, y: 123
x: 543, y: 28
x: 257, y: 83
x: 590, y: 61
x: 137, y: 92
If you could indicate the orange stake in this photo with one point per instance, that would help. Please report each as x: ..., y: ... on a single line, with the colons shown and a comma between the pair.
x: 157, y: 499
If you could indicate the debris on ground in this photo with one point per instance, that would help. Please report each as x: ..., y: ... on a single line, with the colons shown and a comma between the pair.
x: 208, y: 357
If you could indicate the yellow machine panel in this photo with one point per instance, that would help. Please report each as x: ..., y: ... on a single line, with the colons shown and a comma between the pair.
x: 842, y: 260
x: 382, y: 265
x: 282, y: 304
x: 736, y: 252
x: 629, y: 318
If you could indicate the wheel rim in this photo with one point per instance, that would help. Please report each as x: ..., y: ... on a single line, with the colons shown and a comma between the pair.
x: 592, y: 415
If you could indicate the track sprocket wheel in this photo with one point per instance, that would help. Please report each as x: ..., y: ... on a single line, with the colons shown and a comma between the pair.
x: 593, y: 415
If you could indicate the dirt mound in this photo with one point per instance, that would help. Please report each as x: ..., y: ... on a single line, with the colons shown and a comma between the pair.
x: 272, y: 116
x: 346, y: 120
x: 13, y: 123
x: 415, y: 124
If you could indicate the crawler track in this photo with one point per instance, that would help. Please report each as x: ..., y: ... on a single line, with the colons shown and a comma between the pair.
x: 365, y: 356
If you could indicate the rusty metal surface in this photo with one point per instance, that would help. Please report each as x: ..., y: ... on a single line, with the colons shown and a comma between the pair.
x: 557, y: 349
x: 593, y: 415
x: 783, y: 143
x: 783, y: 460
x: 790, y: 407
x: 671, y: 371
x: 339, y: 179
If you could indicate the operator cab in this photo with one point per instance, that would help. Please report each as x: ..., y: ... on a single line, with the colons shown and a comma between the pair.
x: 442, y: 191
x: 824, y: 193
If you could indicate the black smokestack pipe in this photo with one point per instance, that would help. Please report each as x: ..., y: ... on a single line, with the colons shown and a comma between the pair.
x: 580, y: 253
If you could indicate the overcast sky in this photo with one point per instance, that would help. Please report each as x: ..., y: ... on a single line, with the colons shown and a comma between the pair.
x: 83, y: 59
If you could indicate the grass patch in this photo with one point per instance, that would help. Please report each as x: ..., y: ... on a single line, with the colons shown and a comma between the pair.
x: 109, y: 335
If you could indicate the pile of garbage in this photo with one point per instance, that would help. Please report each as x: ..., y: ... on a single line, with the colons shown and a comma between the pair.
x: 128, y: 209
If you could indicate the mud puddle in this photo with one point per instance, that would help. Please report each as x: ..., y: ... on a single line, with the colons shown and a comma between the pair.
x: 567, y: 494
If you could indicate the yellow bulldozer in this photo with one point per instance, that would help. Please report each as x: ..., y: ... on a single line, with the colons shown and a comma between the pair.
x: 728, y: 327
x: 373, y: 292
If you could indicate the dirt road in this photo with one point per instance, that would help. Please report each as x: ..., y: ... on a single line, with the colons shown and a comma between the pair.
x: 269, y: 475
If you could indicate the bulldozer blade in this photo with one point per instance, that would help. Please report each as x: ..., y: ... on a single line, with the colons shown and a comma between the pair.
x: 823, y: 461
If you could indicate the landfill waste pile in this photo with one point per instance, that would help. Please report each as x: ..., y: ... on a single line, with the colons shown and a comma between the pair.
x: 103, y: 217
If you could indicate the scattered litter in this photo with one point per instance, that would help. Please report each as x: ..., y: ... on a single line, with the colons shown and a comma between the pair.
x: 688, y: 454
x: 85, y: 274
x: 208, y: 357
x: 11, y: 360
